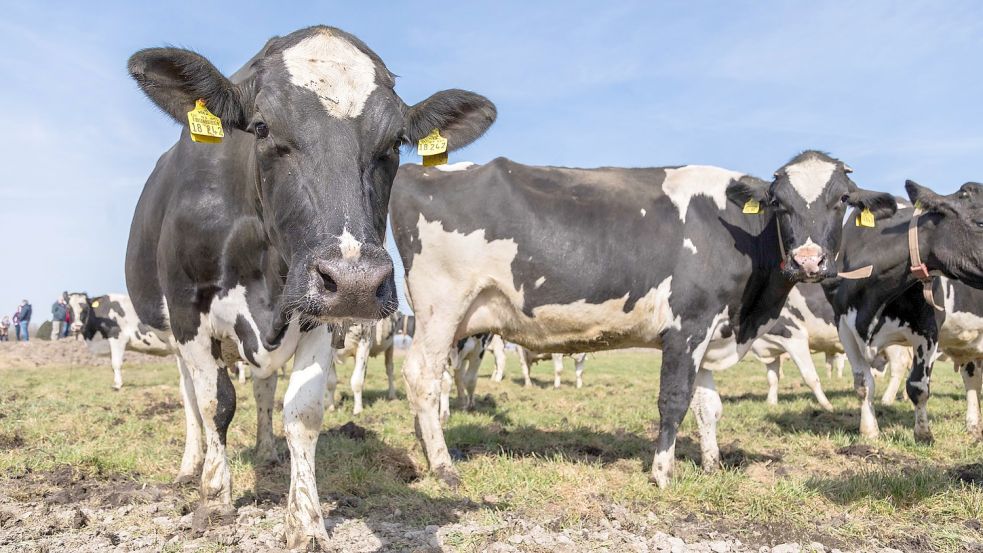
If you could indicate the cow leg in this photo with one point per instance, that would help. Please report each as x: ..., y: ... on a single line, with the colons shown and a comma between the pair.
x: 676, y: 381
x: 216, y: 401
x: 241, y: 370
x: 116, y: 348
x: 771, y: 371
x: 829, y: 365
x: 972, y: 374
x: 798, y: 350
x: 445, y: 397
x: 471, y: 378
x: 839, y: 362
x: 863, y: 382
x: 424, y: 372
x: 557, y: 369
x: 918, y: 386
x: 579, y: 361
x: 330, y: 383
x: 358, y: 373
x: 194, y: 453
x: 897, y: 363
x: 461, y: 367
x: 390, y: 373
x: 707, y: 408
x: 264, y: 390
x: 498, y: 349
x: 524, y: 360
x: 303, y: 413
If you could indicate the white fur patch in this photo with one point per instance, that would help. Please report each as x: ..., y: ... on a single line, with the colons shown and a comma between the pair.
x: 688, y: 244
x: 540, y: 281
x: 643, y: 212
x: 350, y: 247
x: 452, y: 167
x: 810, y: 177
x: 340, y: 74
x: 685, y: 182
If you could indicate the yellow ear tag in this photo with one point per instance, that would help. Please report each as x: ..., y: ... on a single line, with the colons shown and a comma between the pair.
x: 866, y: 218
x: 205, y: 127
x: 752, y: 206
x: 433, y: 148
x: 95, y: 304
x: 918, y: 204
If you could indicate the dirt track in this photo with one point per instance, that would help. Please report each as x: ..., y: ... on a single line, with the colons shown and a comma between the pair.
x: 65, y: 352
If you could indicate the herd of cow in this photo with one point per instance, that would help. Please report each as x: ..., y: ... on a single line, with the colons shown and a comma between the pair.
x: 253, y: 251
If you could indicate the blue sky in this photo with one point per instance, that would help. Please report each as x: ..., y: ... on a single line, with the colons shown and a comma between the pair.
x: 891, y: 88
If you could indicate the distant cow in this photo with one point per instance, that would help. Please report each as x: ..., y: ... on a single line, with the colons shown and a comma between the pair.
x: 529, y: 358
x: 362, y: 341
x: 695, y: 260
x: 252, y: 248
x: 943, y: 236
x: 112, y: 318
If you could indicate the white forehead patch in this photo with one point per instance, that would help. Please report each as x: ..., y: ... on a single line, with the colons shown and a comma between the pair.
x: 809, y: 177
x: 340, y: 74
x: 350, y: 247
x: 685, y: 182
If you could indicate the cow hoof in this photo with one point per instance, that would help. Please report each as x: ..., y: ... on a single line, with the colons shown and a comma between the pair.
x: 449, y: 476
x: 267, y: 457
x: 117, y: 388
x: 391, y: 396
x: 826, y: 406
x: 661, y: 480
x: 186, y: 479
x: 357, y: 410
x: 300, y: 541
x: 212, y: 515
x: 924, y: 436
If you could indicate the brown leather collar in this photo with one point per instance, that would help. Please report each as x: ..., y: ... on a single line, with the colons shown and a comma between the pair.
x: 918, y: 268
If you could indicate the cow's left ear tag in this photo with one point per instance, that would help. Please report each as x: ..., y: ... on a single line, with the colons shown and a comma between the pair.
x: 95, y: 304
x: 866, y: 218
x: 433, y: 148
x: 205, y: 126
x: 752, y: 206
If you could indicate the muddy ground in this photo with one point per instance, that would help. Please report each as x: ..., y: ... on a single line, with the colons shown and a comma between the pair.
x: 64, y: 352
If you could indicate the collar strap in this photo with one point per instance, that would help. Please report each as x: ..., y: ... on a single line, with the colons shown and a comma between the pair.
x: 918, y: 268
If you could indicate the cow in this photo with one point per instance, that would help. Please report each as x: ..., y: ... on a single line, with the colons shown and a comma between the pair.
x: 693, y: 259
x: 943, y: 235
x: 961, y: 339
x: 361, y: 341
x: 254, y: 247
x: 111, y: 317
x: 529, y: 358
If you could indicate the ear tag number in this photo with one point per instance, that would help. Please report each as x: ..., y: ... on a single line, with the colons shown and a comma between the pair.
x: 866, y: 218
x: 205, y: 126
x: 433, y: 148
x: 752, y: 206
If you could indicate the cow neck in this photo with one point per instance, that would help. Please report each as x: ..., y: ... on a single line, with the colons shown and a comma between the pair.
x: 918, y: 268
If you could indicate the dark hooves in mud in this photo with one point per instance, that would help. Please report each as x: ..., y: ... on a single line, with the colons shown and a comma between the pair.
x: 215, y: 515
x: 448, y: 476
x: 186, y: 480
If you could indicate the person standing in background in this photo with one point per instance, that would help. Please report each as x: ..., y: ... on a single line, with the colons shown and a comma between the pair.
x: 5, y: 329
x: 58, y: 310
x: 17, y: 323
x: 24, y: 321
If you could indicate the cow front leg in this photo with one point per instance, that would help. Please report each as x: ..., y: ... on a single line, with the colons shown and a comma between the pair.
x: 579, y: 361
x: 330, y: 383
x: 972, y: 373
x: 798, y: 350
x: 264, y: 390
x: 390, y: 373
x: 919, y: 387
x: 358, y: 373
x: 424, y: 372
x: 116, y: 348
x: 675, y: 395
x: 898, y: 361
x: 497, y: 347
x: 525, y: 359
x: 771, y: 372
x: 194, y: 454
x: 471, y: 379
x: 461, y: 366
x: 216, y: 401
x: 303, y: 413
x: 708, y: 409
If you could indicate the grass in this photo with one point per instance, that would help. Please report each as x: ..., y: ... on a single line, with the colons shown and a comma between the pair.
x: 561, y: 458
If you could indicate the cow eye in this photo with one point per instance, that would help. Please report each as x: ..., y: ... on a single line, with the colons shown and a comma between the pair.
x: 845, y: 198
x: 261, y: 130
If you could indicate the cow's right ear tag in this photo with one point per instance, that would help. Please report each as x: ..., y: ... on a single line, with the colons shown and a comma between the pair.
x: 95, y: 304
x: 752, y: 206
x: 205, y: 126
x: 433, y: 148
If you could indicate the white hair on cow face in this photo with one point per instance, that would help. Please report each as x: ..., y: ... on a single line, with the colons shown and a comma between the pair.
x: 341, y: 75
x: 809, y: 177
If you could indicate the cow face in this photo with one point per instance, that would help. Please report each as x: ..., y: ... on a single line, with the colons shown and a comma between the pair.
x: 956, y: 238
x: 809, y: 196
x: 78, y: 306
x: 327, y: 128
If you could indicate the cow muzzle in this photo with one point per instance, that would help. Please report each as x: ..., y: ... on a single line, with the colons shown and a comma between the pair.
x: 359, y: 287
x: 810, y: 263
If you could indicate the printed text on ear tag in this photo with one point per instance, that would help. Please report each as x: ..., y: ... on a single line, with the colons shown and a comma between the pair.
x: 205, y: 127
x: 866, y: 218
x: 433, y: 148
x: 752, y: 206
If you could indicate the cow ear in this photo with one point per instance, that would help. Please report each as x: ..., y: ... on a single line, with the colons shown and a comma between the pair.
x: 174, y: 79
x: 881, y: 204
x: 746, y: 188
x: 460, y: 116
x: 927, y: 199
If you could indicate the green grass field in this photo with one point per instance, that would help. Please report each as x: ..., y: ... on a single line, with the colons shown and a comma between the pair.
x: 563, y: 458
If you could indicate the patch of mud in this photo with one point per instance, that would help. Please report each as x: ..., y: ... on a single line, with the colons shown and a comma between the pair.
x: 970, y: 474
x: 350, y: 430
x: 60, y: 353
x: 868, y: 453
x: 11, y: 441
x: 161, y: 407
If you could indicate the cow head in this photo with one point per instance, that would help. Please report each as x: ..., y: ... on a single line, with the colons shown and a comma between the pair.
x: 78, y: 306
x: 955, y: 231
x: 809, y: 196
x: 327, y: 128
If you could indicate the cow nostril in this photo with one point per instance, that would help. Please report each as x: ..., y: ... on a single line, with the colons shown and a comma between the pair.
x: 381, y: 292
x: 329, y: 283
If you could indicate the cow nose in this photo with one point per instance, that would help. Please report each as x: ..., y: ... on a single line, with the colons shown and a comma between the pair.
x: 360, y: 289
x: 810, y: 263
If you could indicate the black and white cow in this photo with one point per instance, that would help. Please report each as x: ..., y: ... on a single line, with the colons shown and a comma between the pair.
x: 111, y: 317
x: 961, y: 339
x: 597, y: 259
x: 889, y: 307
x: 361, y: 341
x: 249, y: 248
